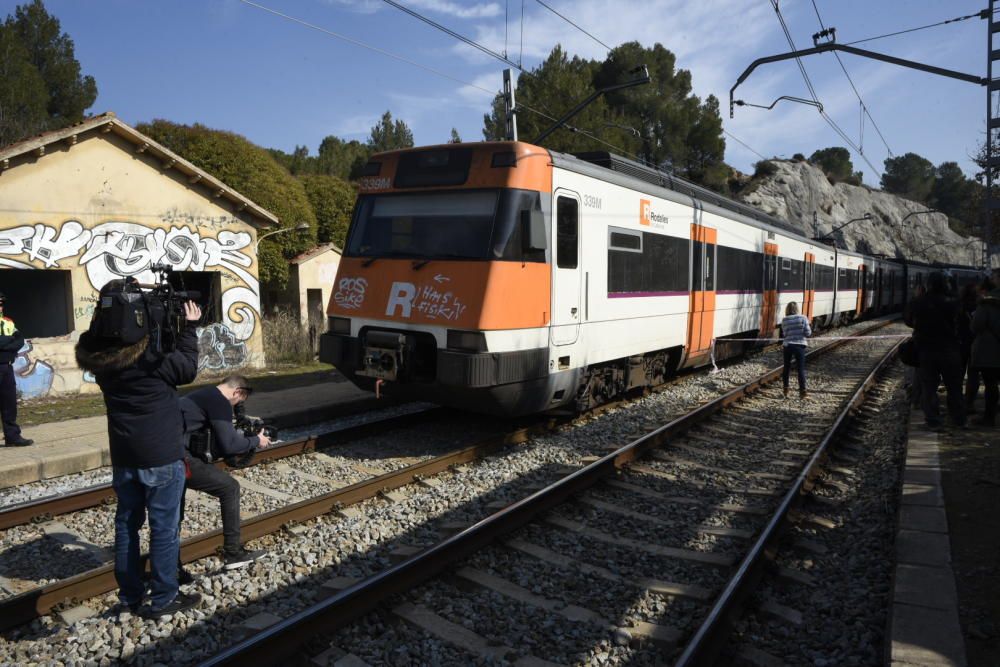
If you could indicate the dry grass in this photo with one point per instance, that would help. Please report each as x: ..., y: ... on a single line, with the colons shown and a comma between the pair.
x: 286, y: 341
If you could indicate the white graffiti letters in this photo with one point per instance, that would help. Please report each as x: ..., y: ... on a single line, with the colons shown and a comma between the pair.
x: 350, y: 292
x: 427, y: 300
x: 128, y: 249
x: 41, y: 242
x: 400, y: 295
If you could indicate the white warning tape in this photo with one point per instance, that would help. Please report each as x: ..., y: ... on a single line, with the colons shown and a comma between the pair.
x: 715, y: 369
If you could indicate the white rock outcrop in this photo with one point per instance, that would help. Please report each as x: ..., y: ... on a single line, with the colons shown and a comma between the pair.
x: 798, y: 189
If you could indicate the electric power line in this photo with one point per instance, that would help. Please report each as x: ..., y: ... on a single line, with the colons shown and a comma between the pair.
x: 864, y: 108
x: 812, y: 91
x: 573, y: 24
x: 432, y: 70
x: 506, y: 24
x: 462, y: 38
x: 741, y: 143
x: 520, y: 52
x: 923, y: 27
x: 502, y: 58
x: 363, y: 45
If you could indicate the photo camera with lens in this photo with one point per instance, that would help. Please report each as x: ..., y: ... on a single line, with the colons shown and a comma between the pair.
x: 128, y: 311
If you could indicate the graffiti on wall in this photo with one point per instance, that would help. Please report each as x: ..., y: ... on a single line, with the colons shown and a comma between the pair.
x: 219, y: 348
x: 121, y: 249
x: 33, y: 376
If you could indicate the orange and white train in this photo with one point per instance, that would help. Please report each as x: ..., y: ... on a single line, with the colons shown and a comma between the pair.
x: 505, y: 278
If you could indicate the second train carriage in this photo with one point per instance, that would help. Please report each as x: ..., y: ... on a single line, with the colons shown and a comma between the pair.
x: 501, y: 277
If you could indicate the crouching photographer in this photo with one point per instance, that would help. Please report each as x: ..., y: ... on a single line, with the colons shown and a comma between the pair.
x: 140, y: 345
x: 208, y: 424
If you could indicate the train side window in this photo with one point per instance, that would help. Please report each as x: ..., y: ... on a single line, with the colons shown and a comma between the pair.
x: 567, y: 224
x: 624, y: 239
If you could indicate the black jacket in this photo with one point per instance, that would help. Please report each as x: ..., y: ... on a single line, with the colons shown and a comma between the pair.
x: 934, y: 318
x: 208, y: 408
x: 145, y: 428
x: 10, y: 344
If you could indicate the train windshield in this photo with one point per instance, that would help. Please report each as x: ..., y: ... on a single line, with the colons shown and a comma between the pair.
x: 471, y: 225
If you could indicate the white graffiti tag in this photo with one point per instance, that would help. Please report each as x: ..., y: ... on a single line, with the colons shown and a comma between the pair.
x: 350, y: 292
x: 123, y: 249
x: 427, y: 300
x: 45, y: 243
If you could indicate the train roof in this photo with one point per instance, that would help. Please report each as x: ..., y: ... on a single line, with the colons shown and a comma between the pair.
x: 633, y: 171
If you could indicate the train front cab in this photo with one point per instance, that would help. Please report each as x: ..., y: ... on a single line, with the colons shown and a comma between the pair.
x: 445, y: 291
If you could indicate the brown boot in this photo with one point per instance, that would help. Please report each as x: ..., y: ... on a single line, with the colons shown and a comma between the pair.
x: 803, y: 394
x: 784, y: 392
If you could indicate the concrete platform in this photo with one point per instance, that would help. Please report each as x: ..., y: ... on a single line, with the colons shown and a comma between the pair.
x: 66, y: 447
x: 924, y: 627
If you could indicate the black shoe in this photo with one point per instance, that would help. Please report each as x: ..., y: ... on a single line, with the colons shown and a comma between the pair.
x: 238, y: 558
x: 19, y: 442
x: 125, y: 608
x: 184, y: 577
x: 180, y: 603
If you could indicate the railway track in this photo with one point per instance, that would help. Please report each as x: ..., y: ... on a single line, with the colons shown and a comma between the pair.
x: 694, y: 512
x: 841, y: 610
x: 80, y: 521
x: 94, y: 582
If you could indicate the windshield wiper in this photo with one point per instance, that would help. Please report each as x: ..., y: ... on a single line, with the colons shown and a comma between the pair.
x: 368, y: 262
x: 420, y: 263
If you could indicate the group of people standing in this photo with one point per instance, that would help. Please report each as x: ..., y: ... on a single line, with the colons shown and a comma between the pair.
x: 957, y: 339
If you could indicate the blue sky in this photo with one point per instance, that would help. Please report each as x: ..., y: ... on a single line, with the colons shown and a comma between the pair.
x: 233, y: 66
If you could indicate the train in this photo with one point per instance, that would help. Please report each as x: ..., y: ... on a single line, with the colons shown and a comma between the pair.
x: 508, y: 279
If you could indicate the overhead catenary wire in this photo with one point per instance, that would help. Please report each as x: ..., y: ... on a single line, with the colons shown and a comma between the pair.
x: 572, y: 23
x: 389, y: 54
x: 462, y: 38
x: 437, y: 72
x: 504, y: 59
x: 357, y: 42
x: 864, y: 107
x: 923, y: 27
x: 741, y: 143
x: 520, y: 52
x: 812, y: 91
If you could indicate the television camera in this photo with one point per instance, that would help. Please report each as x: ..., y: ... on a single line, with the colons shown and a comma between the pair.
x: 129, y: 311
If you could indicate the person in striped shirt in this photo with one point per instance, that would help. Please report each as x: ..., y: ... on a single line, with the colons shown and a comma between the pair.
x: 795, y: 330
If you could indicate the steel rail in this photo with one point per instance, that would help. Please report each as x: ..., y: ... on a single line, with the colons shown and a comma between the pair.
x: 710, y: 638
x: 23, y: 608
x: 49, y: 506
x: 277, y: 643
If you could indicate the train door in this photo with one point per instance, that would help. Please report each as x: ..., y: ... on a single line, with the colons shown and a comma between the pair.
x: 701, y: 310
x: 566, y: 270
x: 862, y: 287
x: 808, y: 284
x: 769, y: 305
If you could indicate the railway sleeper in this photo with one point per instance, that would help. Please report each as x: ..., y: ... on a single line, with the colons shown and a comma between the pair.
x: 666, y: 588
x: 661, y: 635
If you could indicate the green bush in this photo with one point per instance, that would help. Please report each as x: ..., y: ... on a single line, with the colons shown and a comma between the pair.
x: 764, y: 168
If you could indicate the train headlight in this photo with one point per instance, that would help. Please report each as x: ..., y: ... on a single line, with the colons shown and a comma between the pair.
x: 339, y: 325
x: 467, y: 341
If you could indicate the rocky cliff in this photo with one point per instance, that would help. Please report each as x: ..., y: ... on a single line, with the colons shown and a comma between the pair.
x: 797, y: 190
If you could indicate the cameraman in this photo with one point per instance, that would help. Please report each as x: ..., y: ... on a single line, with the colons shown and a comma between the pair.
x: 145, y: 432
x: 208, y: 424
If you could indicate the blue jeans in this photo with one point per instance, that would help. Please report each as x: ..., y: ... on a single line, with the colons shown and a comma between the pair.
x: 797, y: 352
x: 159, y: 490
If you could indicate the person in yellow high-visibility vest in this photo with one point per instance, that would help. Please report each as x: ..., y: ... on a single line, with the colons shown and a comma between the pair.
x: 11, y: 341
